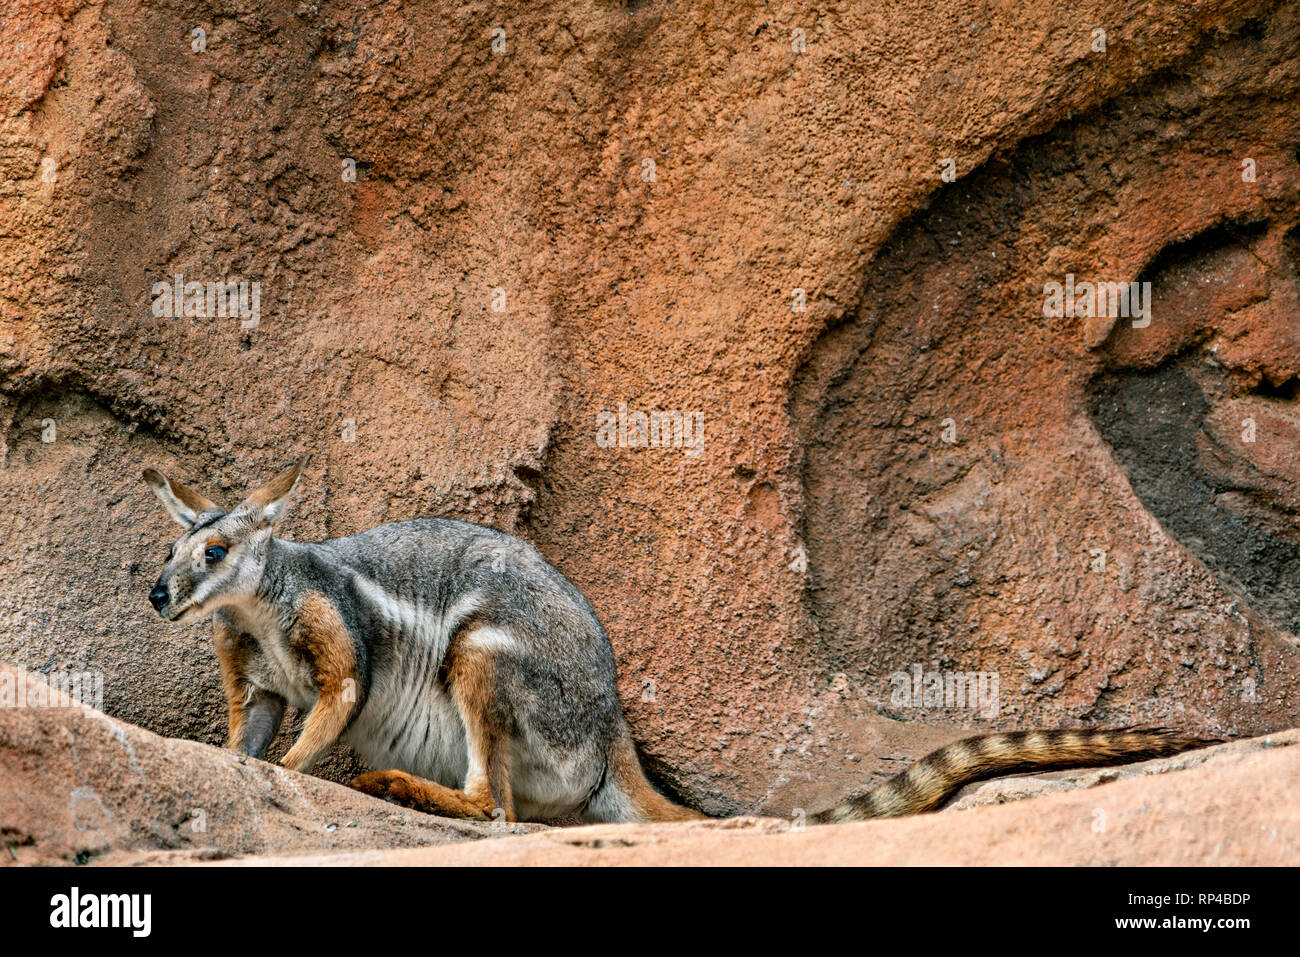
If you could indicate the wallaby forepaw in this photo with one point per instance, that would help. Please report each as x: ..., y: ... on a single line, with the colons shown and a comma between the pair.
x: 291, y: 762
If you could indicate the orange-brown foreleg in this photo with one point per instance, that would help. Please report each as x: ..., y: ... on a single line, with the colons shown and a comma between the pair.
x: 324, y: 638
x: 232, y: 658
x: 255, y: 714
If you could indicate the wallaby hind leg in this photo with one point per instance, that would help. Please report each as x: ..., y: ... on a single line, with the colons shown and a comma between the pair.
x: 470, y: 674
x: 421, y: 795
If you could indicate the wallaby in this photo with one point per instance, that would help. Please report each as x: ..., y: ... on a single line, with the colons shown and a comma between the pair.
x: 460, y: 661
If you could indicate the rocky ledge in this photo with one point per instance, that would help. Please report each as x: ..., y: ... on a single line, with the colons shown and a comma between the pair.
x: 79, y: 787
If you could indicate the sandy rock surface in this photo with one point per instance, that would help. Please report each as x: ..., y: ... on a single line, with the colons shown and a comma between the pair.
x: 79, y: 787
x: 737, y: 213
x: 1229, y: 807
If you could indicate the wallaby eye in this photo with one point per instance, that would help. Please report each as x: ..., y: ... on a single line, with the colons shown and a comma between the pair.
x: 214, y: 553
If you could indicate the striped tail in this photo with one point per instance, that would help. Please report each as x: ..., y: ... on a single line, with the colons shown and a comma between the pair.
x: 934, y: 779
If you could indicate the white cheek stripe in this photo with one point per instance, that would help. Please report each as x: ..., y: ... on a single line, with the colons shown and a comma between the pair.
x: 210, y: 586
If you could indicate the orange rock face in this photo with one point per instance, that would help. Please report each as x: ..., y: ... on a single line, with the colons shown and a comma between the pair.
x: 821, y: 241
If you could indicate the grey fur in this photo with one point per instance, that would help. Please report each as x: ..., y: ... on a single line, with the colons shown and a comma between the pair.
x: 401, y: 590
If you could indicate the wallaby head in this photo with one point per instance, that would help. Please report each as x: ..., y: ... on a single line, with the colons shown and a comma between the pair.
x: 219, y: 558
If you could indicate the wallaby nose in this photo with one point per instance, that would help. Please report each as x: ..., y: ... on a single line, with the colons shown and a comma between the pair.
x: 158, y: 597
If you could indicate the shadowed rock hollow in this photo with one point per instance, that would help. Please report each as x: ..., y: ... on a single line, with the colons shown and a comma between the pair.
x: 673, y: 208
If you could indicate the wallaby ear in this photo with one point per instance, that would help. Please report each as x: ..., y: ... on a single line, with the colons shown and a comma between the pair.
x: 269, y: 502
x: 182, y: 503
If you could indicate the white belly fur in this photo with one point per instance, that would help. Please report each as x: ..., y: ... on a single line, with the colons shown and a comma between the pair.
x: 411, y: 723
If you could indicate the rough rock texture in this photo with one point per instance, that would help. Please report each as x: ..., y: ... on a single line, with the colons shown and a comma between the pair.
x: 617, y: 208
x: 1232, y: 809
x: 77, y: 786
